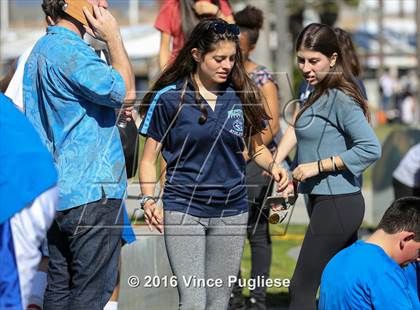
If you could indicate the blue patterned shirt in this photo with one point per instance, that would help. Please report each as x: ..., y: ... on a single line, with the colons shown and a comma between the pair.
x: 69, y: 96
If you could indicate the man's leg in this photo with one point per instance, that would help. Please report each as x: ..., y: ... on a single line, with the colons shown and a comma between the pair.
x: 260, y: 243
x: 401, y: 190
x: 95, y: 249
x: 57, y: 293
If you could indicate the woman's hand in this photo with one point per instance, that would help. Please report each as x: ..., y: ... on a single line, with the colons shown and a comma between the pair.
x: 280, y: 175
x: 153, y: 215
x: 305, y: 171
x: 289, y: 191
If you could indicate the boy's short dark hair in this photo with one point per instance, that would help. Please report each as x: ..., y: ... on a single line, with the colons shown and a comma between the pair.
x: 54, y: 9
x: 402, y: 215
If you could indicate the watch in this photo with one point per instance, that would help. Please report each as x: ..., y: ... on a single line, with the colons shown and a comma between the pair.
x: 144, y: 199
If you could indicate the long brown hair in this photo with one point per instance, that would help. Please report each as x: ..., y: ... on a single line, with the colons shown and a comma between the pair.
x: 322, y: 38
x: 184, y: 66
x: 349, y: 52
x: 250, y: 20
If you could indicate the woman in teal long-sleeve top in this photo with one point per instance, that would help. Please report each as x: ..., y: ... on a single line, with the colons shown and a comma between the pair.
x: 335, y: 144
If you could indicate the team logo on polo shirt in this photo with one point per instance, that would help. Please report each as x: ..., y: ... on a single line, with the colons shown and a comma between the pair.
x: 235, y: 124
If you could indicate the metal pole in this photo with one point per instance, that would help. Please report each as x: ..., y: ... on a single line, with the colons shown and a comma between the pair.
x: 4, y: 26
x: 4, y: 5
x: 381, y: 37
x: 133, y: 14
x: 284, y: 50
x: 418, y: 51
x: 261, y: 54
x: 401, y: 12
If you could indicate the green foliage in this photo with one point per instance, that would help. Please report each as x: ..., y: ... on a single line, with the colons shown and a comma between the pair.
x: 354, y: 3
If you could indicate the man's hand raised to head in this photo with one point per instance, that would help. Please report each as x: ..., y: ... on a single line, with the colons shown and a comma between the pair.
x: 103, y: 26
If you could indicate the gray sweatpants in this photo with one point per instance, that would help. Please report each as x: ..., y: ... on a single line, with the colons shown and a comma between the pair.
x: 205, y: 250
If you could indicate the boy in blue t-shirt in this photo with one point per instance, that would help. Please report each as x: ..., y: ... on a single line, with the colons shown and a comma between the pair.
x: 369, y: 275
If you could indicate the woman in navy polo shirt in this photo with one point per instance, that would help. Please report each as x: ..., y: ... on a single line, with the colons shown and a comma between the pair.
x: 198, y: 114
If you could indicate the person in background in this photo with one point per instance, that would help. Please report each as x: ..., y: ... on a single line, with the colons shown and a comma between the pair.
x: 408, y: 108
x: 76, y: 121
x: 335, y: 144
x: 250, y: 20
x: 28, y: 198
x: 369, y: 274
x: 386, y: 87
x: 406, y: 177
x: 200, y: 112
x: 177, y: 18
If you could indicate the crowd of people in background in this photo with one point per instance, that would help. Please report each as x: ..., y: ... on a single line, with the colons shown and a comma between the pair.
x: 398, y: 101
x: 211, y: 122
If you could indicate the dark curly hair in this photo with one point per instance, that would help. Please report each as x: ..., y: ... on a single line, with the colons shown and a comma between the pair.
x: 54, y: 9
x: 250, y: 20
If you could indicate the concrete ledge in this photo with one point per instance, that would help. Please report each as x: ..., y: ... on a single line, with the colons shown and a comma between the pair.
x: 145, y: 259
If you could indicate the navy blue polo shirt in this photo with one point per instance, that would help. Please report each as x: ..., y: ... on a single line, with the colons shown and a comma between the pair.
x: 205, y: 166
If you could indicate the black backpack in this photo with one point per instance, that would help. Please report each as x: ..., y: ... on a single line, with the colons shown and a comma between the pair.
x: 130, y: 141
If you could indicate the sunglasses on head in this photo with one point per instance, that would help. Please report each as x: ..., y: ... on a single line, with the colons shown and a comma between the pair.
x: 222, y: 28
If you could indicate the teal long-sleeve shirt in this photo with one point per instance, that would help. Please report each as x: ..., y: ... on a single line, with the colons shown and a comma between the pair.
x: 334, y: 125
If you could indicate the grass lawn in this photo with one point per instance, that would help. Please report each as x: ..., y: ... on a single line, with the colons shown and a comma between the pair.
x: 282, y: 265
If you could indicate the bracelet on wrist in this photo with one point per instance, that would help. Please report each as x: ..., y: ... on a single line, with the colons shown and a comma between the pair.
x: 145, y: 199
x: 271, y: 165
x: 319, y: 166
x: 333, y: 163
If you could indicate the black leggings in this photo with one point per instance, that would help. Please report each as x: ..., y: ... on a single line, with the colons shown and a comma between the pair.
x: 258, y: 231
x: 334, y: 221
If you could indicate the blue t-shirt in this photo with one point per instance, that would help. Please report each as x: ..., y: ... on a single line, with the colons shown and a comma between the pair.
x: 412, y: 272
x: 26, y: 167
x: 205, y: 166
x: 363, y: 276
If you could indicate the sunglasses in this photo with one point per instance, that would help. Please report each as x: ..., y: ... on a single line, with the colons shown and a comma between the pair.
x: 222, y: 28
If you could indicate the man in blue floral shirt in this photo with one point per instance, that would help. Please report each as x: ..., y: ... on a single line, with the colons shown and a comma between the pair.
x: 69, y: 96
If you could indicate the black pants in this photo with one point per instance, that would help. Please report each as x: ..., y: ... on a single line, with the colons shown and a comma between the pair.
x: 334, y: 221
x: 84, y: 246
x: 258, y: 231
x: 402, y: 190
